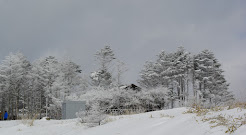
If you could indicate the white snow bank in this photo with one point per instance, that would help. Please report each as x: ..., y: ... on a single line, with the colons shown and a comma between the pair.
x: 166, y: 122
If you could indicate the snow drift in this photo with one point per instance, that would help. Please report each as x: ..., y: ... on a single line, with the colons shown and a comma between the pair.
x: 170, y: 122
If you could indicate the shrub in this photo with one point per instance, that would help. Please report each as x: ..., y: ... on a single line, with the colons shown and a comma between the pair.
x: 92, y: 116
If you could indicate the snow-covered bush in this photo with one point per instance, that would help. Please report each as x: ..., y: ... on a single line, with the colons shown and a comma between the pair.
x: 154, y: 99
x: 92, y: 116
x: 115, y: 98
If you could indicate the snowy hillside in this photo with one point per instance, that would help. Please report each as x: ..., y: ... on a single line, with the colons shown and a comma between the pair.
x: 169, y: 122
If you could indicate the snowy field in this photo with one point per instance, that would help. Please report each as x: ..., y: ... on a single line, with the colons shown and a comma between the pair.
x: 166, y: 122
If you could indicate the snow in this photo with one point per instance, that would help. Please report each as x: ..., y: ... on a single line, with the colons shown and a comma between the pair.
x: 169, y: 122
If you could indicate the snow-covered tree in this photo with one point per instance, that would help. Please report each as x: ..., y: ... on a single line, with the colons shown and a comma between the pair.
x: 172, y: 80
x: 13, y: 73
x: 182, y: 68
x: 105, y: 57
x: 39, y: 81
x: 149, y: 76
x: 50, y: 65
x: 52, y: 82
x: 66, y: 83
x: 187, y: 77
x: 102, y: 77
x: 210, y: 80
x: 121, y: 69
x: 170, y: 70
x: 68, y: 80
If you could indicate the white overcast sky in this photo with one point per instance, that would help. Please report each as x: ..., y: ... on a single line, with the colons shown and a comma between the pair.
x: 137, y: 30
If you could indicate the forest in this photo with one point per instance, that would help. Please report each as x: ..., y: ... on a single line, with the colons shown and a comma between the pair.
x: 174, y: 79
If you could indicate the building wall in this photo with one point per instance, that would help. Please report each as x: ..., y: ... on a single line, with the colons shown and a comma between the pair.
x: 70, y: 108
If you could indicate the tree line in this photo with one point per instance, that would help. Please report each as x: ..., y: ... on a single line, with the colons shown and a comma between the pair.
x: 189, y: 78
x: 176, y: 79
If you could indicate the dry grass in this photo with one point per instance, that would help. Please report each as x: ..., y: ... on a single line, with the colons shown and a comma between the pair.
x: 232, y: 123
x: 166, y: 115
x: 107, y: 120
x: 29, y: 122
x: 240, y: 105
x: 216, y: 121
x: 198, y: 110
x: 129, y: 112
x: 126, y: 112
x: 217, y: 108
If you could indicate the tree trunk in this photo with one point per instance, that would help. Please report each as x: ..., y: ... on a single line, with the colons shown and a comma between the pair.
x: 28, y: 106
x: 23, y: 108
x: 9, y: 104
x: 40, y: 109
x: 46, y: 106
x: 12, y: 109
x: 17, y: 105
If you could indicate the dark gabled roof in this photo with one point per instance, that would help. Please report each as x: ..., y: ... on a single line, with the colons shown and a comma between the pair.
x: 133, y: 87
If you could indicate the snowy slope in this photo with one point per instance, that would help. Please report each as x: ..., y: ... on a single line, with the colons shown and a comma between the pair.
x: 169, y: 122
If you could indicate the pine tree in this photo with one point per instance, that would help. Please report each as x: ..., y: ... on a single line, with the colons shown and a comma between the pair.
x: 211, y: 82
x: 187, y: 77
x: 148, y: 76
x: 103, y: 77
x: 171, y: 70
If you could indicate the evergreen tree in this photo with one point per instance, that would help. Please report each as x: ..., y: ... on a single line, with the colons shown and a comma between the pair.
x: 210, y: 79
x: 103, y: 77
x: 187, y: 77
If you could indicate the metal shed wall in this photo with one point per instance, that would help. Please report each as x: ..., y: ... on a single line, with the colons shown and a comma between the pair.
x: 70, y: 108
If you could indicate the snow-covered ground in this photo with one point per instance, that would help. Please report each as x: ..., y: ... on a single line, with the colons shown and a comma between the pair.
x: 166, y: 122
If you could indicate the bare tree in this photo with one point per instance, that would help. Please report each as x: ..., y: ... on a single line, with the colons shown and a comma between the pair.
x: 121, y: 69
